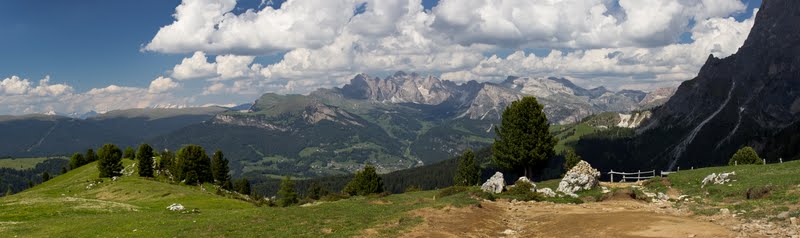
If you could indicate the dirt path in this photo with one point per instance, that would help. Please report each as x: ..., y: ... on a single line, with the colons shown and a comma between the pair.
x: 539, y: 219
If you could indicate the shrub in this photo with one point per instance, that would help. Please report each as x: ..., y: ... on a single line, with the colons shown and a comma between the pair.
x: 365, y: 182
x: 745, y: 155
x: 522, y: 191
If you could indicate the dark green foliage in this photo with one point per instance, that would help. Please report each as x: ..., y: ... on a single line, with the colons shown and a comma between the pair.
x: 228, y: 185
x: 315, y: 192
x: 365, y: 182
x: 45, y: 177
x: 9, y: 191
x: 166, y: 162
x: 468, y: 172
x: 145, y: 157
x: 90, y: 156
x: 193, y: 158
x: 570, y: 159
x: 522, y: 191
x: 449, y: 191
x: 77, y: 160
x: 129, y: 153
x: 523, y: 139
x: 286, y: 195
x: 63, y: 170
x: 17, y: 180
x: 219, y: 168
x: 745, y: 155
x: 109, y: 161
x: 242, y: 186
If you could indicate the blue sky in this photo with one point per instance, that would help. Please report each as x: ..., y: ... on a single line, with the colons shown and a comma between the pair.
x: 95, y: 43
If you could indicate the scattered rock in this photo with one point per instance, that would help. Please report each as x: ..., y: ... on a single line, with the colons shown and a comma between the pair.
x: 793, y: 221
x: 724, y: 211
x: 546, y: 192
x: 783, y: 215
x: 581, y: 177
x: 495, y: 184
x: 176, y: 207
x: 509, y: 232
x: 715, y: 178
x: 524, y: 179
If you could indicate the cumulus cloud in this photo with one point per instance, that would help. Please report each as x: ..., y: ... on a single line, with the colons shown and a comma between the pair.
x: 15, y: 85
x: 194, y: 67
x: 162, y: 84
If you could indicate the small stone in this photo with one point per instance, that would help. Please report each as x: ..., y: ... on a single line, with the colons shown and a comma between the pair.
x: 691, y: 235
x: 783, y: 215
x: 724, y: 211
x: 793, y: 220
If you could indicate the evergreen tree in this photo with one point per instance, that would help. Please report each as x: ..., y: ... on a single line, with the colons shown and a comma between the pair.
x: 193, y: 158
x: 365, y: 182
x: 30, y: 183
x: 109, y: 161
x: 63, y: 170
x: 145, y: 157
x: 167, y: 162
x: 745, y: 155
x: 523, y: 139
x: 45, y: 176
x: 227, y: 185
x: 570, y: 159
x: 89, y: 157
x: 468, y: 172
x: 219, y: 168
x: 315, y: 192
x: 76, y: 161
x: 129, y: 153
x: 286, y: 195
x: 242, y: 186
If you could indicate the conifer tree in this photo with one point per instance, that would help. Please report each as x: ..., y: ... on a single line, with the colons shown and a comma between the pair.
x: 90, y: 156
x: 570, y: 159
x: 129, y: 153
x: 45, y: 176
x: 145, y: 157
x: 287, y: 195
x: 193, y: 158
x: 242, y: 186
x: 745, y: 155
x: 63, y: 170
x: 109, y: 161
x: 76, y: 161
x: 523, y: 139
x: 365, y: 182
x: 468, y: 172
x: 220, y: 169
x: 167, y: 162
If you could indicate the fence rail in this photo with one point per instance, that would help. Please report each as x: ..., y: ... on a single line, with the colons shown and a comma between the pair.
x: 630, y: 176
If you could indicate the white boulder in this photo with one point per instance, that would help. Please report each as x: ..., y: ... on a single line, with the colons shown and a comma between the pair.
x: 546, y: 192
x: 176, y: 207
x: 524, y: 179
x: 495, y: 184
x: 581, y: 177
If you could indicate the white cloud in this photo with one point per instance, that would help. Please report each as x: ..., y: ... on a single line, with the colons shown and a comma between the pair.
x: 194, y: 67
x: 162, y: 84
x: 15, y: 85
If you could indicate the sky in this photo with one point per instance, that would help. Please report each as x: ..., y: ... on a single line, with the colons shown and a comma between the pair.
x: 100, y: 55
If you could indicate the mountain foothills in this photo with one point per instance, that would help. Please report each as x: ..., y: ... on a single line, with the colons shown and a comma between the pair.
x: 749, y: 98
x: 396, y: 122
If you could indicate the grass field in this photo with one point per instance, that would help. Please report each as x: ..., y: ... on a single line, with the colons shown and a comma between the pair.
x: 136, y: 207
x: 24, y: 163
x: 783, y: 181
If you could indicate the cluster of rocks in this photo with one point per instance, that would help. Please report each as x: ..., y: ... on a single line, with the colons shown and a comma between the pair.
x: 715, y: 178
x: 496, y: 184
x: 94, y: 183
x: 581, y: 177
x: 128, y: 171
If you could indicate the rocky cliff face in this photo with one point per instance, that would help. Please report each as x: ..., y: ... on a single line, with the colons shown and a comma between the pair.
x: 744, y: 99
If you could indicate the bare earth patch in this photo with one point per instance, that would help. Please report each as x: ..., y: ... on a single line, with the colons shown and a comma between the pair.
x: 543, y: 219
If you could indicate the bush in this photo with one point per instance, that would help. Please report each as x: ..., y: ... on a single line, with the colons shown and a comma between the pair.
x: 484, y: 195
x: 522, y: 191
x: 365, y: 182
x: 745, y: 155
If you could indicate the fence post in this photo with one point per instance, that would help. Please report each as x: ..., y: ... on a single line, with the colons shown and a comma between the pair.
x: 781, y: 159
x: 735, y: 163
x: 692, y: 168
x: 679, y: 168
x: 765, y: 161
x: 638, y: 175
x: 612, y: 175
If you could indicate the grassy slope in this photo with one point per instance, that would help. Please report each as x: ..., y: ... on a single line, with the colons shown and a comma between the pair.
x: 22, y: 163
x: 133, y: 206
x: 783, y: 178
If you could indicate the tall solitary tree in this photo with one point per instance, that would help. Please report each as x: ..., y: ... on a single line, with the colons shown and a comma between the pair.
x: 523, y: 139
x: 90, y: 156
x: 193, y: 158
x: 287, y: 195
x: 145, y: 157
x: 76, y: 161
x: 220, y: 169
x: 129, y: 153
x: 468, y: 172
x: 365, y: 182
x: 109, y: 161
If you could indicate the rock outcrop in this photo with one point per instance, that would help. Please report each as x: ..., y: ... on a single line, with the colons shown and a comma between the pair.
x: 581, y: 177
x: 495, y: 184
x: 715, y: 178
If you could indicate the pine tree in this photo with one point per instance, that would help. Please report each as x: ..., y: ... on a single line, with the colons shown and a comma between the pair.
x: 523, y: 139
x: 220, y: 169
x: 745, y: 155
x: 90, y: 156
x: 167, y: 162
x: 145, y: 157
x: 242, y: 186
x: 63, y: 170
x: 227, y: 185
x: 193, y: 158
x: 76, y: 161
x: 570, y: 159
x: 365, y: 182
x: 468, y: 172
x: 45, y: 176
x: 315, y: 192
x: 129, y: 153
x: 109, y: 161
x: 286, y: 195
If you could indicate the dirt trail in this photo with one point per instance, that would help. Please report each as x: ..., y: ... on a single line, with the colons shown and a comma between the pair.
x: 540, y: 219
